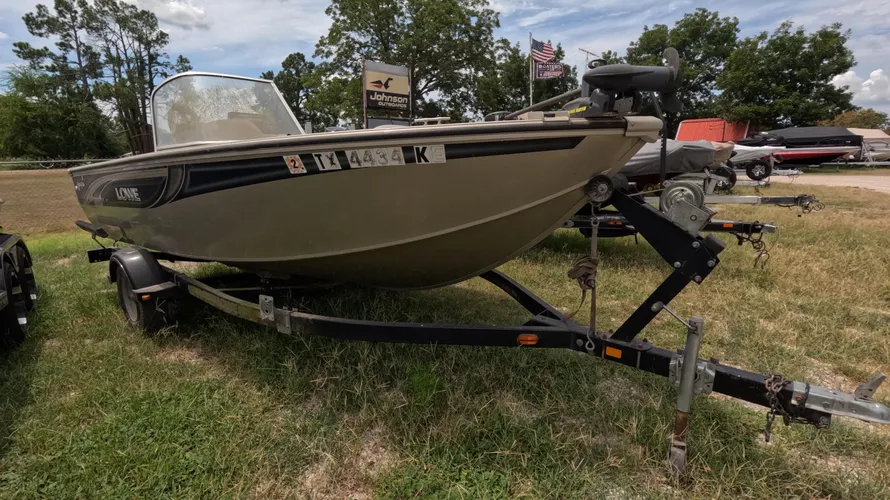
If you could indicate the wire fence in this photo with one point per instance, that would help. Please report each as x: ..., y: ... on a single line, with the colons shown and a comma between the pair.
x: 47, y: 164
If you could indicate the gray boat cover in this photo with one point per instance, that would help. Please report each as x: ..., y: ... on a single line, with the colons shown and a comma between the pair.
x: 682, y: 157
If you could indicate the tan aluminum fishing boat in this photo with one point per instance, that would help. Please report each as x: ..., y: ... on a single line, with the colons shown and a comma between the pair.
x: 235, y: 180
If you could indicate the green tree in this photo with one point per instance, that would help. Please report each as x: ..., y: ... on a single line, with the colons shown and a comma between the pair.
x: 295, y: 72
x: 332, y: 99
x: 610, y: 57
x: 704, y: 41
x: 132, y: 45
x: 75, y: 60
x: 106, y: 51
x: 503, y: 86
x: 444, y: 43
x: 860, y: 118
x: 42, y: 117
x: 783, y: 79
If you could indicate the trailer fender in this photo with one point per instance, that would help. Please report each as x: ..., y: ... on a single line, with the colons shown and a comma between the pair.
x: 14, y: 253
x: 140, y: 266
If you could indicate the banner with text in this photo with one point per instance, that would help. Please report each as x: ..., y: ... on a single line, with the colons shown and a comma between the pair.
x: 548, y: 70
x: 387, y: 87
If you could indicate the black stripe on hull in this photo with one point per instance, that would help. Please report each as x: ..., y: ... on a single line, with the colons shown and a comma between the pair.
x: 205, y: 178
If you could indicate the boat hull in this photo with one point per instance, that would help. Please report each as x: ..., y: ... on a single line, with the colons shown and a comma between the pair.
x: 812, y: 156
x: 417, y: 225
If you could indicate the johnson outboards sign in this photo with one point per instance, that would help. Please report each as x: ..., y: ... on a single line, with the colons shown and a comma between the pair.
x: 387, y: 87
x: 384, y: 100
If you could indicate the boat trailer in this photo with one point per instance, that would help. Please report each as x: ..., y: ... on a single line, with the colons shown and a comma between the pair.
x: 148, y: 292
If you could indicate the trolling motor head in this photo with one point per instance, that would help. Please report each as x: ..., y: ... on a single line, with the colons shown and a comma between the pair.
x: 618, y: 88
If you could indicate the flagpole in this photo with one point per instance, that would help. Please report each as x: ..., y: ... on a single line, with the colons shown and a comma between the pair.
x: 531, y: 72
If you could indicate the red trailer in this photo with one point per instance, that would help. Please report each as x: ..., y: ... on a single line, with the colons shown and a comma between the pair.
x: 712, y: 129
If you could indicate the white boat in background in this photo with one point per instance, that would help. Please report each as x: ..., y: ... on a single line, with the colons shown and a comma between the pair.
x: 877, y: 143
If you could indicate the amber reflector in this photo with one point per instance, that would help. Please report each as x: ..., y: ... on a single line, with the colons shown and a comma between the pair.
x: 613, y: 352
x: 528, y: 339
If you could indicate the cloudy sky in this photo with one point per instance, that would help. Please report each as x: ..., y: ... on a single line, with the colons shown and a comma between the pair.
x: 249, y: 36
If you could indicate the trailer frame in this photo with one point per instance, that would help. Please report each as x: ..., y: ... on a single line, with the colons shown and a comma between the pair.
x: 153, y: 287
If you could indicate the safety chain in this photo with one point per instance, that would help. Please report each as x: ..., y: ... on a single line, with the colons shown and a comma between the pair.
x: 757, y: 244
x: 583, y: 271
x: 811, y: 206
x: 774, y: 385
x: 806, y: 206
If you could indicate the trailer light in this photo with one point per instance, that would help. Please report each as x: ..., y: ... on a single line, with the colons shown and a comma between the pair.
x: 727, y: 225
x: 145, y: 297
x: 613, y: 352
x: 527, y: 339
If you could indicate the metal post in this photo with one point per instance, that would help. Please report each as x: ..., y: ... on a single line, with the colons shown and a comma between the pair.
x: 531, y: 72
x: 364, y: 96
x: 594, y: 258
x: 545, y: 103
x: 663, y: 161
x: 677, y: 445
x: 587, y: 55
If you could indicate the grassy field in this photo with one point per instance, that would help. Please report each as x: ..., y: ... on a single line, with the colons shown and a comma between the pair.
x: 38, y: 201
x: 847, y: 170
x: 221, y: 408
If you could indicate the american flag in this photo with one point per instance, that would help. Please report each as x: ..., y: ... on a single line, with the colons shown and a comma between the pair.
x: 541, y: 51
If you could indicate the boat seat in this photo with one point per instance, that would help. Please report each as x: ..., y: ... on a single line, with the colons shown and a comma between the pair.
x: 230, y: 129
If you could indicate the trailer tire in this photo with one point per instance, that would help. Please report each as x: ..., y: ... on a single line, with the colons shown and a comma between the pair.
x: 13, y: 317
x: 758, y: 170
x: 729, y: 174
x: 151, y: 314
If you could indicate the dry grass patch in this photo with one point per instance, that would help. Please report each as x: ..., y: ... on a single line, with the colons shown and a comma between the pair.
x: 38, y: 201
x: 517, y: 408
x: 352, y: 475
x: 188, y: 355
x: 64, y: 261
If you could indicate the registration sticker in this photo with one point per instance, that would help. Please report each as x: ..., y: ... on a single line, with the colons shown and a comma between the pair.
x: 327, y: 160
x: 360, y: 158
x: 295, y: 164
x: 434, y: 153
x: 375, y: 157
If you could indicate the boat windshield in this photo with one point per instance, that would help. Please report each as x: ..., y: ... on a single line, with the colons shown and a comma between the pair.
x: 192, y: 108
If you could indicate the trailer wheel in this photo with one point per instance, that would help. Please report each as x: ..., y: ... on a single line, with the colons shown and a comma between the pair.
x: 758, y: 170
x: 730, y: 176
x: 151, y: 314
x: 14, y: 317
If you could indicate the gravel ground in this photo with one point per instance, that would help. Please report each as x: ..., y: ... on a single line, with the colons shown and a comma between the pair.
x: 879, y: 183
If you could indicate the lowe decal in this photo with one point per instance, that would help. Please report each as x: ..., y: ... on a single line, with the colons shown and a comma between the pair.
x: 127, y: 194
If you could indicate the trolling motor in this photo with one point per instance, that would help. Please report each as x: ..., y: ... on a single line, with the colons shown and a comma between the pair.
x: 614, y: 88
x: 618, y: 88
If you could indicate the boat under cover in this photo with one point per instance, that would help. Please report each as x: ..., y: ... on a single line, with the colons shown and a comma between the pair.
x: 234, y: 180
x: 682, y: 157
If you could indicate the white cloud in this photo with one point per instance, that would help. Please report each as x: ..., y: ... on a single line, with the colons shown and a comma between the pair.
x: 181, y: 14
x: 545, y: 15
x: 3, y: 35
x: 874, y: 90
x: 850, y: 80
